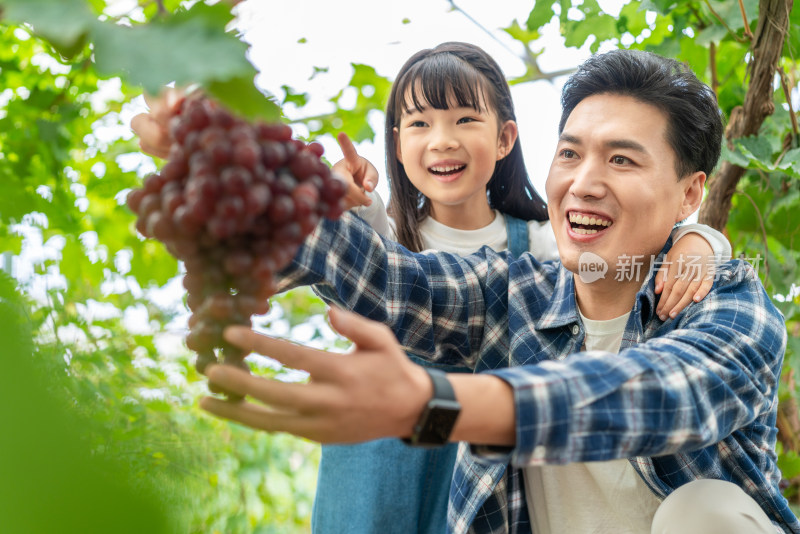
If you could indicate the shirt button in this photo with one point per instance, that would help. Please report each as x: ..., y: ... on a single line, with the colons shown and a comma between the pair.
x: 575, y: 330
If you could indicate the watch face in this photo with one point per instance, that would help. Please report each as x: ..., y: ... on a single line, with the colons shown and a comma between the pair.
x: 438, y: 422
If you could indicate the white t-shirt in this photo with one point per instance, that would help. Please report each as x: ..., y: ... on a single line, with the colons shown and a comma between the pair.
x: 541, y: 240
x: 437, y: 236
x: 598, y: 497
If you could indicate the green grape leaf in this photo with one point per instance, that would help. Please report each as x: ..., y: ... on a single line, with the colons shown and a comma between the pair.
x: 240, y: 95
x: 541, y: 14
x: 523, y: 35
x: 64, y: 23
x: 199, y: 50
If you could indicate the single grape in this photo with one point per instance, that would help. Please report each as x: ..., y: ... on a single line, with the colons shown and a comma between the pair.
x: 150, y: 203
x: 174, y: 170
x: 273, y: 154
x: 304, y: 164
x: 274, y: 131
x: 317, y: 149
x: 281, y: 209
x: 221, y: 306
x: 238, y: 263
x: 246, y: 153
x: 204, y: 359
x: 134, y: 199
x: 235, y: 180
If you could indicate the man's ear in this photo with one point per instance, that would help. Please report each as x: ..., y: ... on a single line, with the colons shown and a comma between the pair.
x: 506, y: 139
x: 693, y: 187
x: 398, y: 152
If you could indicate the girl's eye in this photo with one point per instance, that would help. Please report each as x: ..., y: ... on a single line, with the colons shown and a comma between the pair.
x: 417, y: 124
x: 464, y: 120
x: 620, y: 160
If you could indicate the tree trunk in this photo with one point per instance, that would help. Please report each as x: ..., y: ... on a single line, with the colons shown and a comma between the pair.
x: 773, y: 22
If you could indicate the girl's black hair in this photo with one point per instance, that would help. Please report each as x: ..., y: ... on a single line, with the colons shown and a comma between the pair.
x: 464, y: 75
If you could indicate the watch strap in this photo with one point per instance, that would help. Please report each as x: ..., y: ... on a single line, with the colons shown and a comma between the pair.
x: 442, y: 388
x: 439, y: 415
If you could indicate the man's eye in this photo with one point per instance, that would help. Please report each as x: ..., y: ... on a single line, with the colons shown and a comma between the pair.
x: 620, y: 160
x: 567, y: 153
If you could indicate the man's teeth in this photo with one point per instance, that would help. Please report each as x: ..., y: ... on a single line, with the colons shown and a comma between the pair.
x: 577, y: 218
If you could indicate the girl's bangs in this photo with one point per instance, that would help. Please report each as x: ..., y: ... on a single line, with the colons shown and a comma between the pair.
x: 442, y: 81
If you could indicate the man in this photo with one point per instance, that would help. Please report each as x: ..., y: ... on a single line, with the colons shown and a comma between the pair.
x: 586, y: 412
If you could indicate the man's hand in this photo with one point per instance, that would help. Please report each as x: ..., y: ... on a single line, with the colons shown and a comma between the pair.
x: 153, y: 127
x: 358, y: 172
x: 371, y: 392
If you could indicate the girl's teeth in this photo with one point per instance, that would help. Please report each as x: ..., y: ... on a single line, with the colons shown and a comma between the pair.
x: 448, y: 169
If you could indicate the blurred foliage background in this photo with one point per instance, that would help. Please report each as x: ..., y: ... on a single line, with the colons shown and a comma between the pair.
x: 100, y: 426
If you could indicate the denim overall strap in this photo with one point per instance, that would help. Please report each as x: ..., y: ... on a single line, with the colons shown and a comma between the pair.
x: 518, y: 240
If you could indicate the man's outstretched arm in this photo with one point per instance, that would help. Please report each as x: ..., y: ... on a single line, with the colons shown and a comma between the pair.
x: 371, y: 392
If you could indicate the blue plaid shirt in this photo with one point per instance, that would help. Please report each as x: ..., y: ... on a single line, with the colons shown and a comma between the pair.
x: 690, y: 398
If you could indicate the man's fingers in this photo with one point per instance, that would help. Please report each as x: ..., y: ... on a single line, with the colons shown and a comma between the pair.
x: 348, y: 149
x: 297, y: 397
x: 365, y: 333
x: 261, y: 417
x: 289, y: 354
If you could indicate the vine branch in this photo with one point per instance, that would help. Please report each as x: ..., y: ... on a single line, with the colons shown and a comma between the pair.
x: 722, y: 21
x: 528, y: 59
x: 481, y: 26
x: 747, y: 32
x: 788, y: 95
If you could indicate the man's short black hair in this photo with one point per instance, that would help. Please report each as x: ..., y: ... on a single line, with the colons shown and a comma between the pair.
x: 694, y: 127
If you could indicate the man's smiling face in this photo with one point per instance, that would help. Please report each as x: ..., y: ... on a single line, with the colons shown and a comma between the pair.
x: 612, y: 187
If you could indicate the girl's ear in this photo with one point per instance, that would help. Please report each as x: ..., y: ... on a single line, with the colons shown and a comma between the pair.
x: 397, y: 150
x: 506, y: 139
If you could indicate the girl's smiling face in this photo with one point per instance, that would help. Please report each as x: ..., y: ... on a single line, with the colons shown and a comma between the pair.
x: 450, y: 155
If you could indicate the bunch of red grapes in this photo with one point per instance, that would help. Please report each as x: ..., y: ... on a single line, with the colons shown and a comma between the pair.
x: 233, y: 202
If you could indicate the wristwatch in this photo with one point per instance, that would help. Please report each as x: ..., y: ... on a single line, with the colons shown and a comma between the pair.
x: 439, y: 416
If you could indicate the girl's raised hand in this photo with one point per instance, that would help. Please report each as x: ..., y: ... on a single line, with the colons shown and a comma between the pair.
x: 358, y: 172
x: 686, y: 275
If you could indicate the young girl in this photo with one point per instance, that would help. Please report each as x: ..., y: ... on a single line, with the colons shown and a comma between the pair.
x: 458, y: 182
